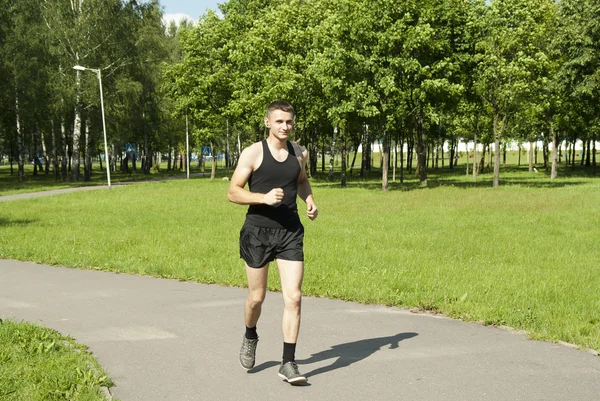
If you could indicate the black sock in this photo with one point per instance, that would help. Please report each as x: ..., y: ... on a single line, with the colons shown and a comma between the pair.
x: 251, y: 333
x: 289, y: 352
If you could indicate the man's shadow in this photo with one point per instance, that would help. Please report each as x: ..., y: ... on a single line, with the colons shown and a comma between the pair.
x: 344, y: 354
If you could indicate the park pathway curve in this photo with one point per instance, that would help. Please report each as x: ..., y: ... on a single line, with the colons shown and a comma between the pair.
x: 51, y: 192
x: 162, y: 339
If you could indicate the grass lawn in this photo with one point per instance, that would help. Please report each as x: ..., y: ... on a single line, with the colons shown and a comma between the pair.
x: 38, y: 364
x: 524, y: 255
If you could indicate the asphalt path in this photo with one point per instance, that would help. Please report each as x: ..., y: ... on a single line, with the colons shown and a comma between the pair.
x: 162, y: 339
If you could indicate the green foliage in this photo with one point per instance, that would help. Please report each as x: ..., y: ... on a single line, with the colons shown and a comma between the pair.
x: 428, y: 72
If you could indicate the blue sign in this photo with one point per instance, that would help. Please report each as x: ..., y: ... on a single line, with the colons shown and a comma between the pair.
x: 205, y: 150
x: 130, y: 147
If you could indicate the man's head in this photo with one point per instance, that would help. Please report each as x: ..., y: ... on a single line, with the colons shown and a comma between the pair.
x: 280, y: 105
x: 280, y: 119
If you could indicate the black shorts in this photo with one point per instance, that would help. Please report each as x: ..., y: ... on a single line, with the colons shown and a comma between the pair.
x: 261, y: 245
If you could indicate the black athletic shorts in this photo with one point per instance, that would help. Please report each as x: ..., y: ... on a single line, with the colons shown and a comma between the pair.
x: 261, y: 245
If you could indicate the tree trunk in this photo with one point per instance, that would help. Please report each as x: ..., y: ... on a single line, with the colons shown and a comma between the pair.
x: 530, y: 156
x: 467, y: 156
x: 313, y: 155
x: 594, y: 155
x: 34, y: 151
x: 343, y: 182
x: 20, y: 150
x: 386, y: 157
x: 555, y: 152
x: 363, y: 163
x: 76, y: 130
x: 332, y: 159
x: 484, y: 146
x: 87, y: 167
x: 213, y: 171
x: 545, y: 152
x: 354, y: 158
x: 437, y: 153
x: 54, y: 152
x: 588, y: 161
x: 421, y: 150
x: 496, y: 182
x: 147, y: 152
x: 64, y: 149
x: 402, y: 160
x: 441, y: 147
x: 475, y: 156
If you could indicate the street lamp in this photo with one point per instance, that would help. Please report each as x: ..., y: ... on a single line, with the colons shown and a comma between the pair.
x: 80, y: 68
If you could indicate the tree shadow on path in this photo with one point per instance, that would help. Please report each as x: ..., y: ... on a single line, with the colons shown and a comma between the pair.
x: 344, y: 354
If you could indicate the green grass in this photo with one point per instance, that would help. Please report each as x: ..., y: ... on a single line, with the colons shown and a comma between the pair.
x: 38, y: 364
x: 524, y: 255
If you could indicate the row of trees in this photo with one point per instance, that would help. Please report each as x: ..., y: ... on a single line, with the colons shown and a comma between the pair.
x: 409, y: 74
x: 416, y: 74
x: 51, y: 112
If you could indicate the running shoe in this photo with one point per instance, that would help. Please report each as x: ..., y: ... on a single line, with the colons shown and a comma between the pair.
x: 248, y: 353
x: 290, y: 373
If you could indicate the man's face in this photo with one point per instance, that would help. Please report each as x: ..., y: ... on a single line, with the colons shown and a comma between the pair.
x: 280, y: 124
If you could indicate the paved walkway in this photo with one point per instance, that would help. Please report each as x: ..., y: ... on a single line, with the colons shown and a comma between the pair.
x: 168, y: 340
x: 27, y: 195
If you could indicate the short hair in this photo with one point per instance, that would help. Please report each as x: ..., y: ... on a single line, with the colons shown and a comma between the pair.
x: 280, y: 105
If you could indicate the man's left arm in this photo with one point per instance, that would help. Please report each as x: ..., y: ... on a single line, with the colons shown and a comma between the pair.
x: 304, y: 188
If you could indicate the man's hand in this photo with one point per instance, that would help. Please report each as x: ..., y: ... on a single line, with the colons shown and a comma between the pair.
x: 311, y: 210
x: 274, y: 197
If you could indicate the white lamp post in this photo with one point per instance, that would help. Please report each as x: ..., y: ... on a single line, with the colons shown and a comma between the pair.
x: 80, y: 68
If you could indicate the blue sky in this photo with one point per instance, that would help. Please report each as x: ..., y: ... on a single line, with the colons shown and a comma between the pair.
x: 192, y: 8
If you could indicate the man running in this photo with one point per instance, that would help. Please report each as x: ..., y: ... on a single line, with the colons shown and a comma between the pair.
x: 275, y: 170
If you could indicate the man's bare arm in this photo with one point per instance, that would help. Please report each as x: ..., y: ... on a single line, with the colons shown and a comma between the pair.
x: 305, y: 190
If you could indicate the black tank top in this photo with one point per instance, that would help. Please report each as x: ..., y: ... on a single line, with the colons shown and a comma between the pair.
x: 274, y: 174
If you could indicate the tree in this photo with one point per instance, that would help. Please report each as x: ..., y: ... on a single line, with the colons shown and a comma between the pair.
x: 510, y: 55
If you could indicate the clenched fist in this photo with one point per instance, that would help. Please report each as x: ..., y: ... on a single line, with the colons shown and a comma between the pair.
x: 274, y: 197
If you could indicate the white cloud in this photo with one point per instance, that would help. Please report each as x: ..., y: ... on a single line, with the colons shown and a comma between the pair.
x: 178, y: 17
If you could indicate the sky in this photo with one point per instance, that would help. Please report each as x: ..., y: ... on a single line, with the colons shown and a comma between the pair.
x: 190, y: 9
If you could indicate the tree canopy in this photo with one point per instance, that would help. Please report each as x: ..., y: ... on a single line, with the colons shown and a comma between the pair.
x: 424, y: 75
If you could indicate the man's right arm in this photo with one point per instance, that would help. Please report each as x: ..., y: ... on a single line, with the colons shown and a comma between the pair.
x: 238, y: 194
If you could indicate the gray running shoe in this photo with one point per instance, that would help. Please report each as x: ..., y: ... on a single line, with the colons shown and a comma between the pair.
x: 290, y: 373
x: 248, y: 353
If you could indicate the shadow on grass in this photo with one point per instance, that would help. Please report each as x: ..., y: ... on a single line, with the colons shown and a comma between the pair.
x: 445, y: 177
x: 18, y: 222
x: 344, y: 355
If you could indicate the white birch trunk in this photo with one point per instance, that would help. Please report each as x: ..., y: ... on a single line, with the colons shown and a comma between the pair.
x: 20, y: 155
x: 88, y: 151
x: 76, y: 130
x: 531, y: 156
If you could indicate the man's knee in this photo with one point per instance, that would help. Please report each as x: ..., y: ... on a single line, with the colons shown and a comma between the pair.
x: 256, y: 298
x: 293, y: 299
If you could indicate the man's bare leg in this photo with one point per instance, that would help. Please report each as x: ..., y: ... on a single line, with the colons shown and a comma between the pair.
x: 257, y: 289
x: 291, y: 274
